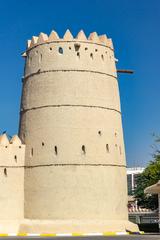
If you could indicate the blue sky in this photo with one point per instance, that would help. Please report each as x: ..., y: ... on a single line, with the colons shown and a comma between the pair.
x: 134, y: 27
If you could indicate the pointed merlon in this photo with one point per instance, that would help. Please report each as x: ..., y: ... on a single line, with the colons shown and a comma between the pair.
x: 67, y: 35
x: 24, y: 54
x: 53, y: 36
x: 4, y: 140
x: 28, y: 43
x: 42, y: 38
x: 34, y: 41
x: 110, y: 43
x: 15, y: 140
x: 81, y: 36
x: 93, y: 37
x: 103, y: 39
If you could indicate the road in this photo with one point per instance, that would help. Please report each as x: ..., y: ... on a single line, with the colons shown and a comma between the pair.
x: 129, y: 237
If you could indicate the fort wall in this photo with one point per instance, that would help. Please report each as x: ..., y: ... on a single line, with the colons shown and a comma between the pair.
x: 12, y: 154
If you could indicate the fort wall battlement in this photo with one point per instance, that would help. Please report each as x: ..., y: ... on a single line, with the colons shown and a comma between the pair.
x: 12, y: 155
x: 69, y: 54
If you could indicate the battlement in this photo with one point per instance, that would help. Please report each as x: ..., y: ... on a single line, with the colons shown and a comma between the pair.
x: 12, y: 151
x: 81, y: 37
x: 46, y: 54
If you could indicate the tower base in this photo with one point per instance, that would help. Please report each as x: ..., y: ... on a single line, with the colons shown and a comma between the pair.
x: 66, y: 226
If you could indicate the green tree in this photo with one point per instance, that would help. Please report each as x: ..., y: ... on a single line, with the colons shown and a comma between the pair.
x: 150, y: 176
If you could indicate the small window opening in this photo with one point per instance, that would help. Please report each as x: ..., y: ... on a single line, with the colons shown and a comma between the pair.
x: 70, y: 48
x: 96, y: 50
x: 115, y: 134
x: 120, y: 150
x: 50, y: 48
x: 91, y: 55
x: 5, y: 172
x: 20, y: 147
x: 15, y: 158
x: 100, y: 133
x: 102, y: 57
x: 83, y: 149
x: 78, y: 54
x: 6, y: 146
x: 31, y: 152
x: 40, y: 58
x: 60, y: 50
x: 42, y: 143
x: 55, y: 150
x: 107, y: 148
x: 86, y: 48
x: 77, y: 47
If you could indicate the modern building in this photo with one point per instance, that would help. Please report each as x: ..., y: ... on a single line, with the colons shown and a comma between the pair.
x: 155, y: 189
x: 132, y: 174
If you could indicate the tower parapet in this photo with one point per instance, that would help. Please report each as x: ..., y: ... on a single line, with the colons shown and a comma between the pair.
x: 53, y: 37
x: 47, y: 54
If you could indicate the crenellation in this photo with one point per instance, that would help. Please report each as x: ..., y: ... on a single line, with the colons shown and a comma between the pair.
x: 68, y: 36
x: 81, y: 36
x: 89, y: 57
x: 11, y: 150
x: 53, y: 37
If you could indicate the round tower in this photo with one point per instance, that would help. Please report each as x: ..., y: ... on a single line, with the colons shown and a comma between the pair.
x: 75, y: 168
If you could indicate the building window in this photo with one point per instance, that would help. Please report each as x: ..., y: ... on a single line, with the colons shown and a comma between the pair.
x: 77, y: 46
x: 60, y: 50
x: 78, y: 54
x: 55, y: 150
x: 31, y: 152
x: 120, y: 150
x: 42, y: 143
x: 100, y: 133
x: 5, y: 172
x: 15, y: 158
x: 107, y: 148
x: 83, y: 149
x: 91, y: 55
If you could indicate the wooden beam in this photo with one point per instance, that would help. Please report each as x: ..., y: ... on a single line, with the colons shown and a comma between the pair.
x: 125, y: 71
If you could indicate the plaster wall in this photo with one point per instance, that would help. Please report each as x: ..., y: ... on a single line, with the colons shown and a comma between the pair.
x: 12, y: 182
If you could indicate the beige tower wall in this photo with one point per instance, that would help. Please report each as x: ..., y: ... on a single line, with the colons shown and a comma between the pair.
x: 71, y: 125
x: 11, y: 182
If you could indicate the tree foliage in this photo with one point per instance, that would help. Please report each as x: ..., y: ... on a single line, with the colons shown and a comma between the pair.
x: 150, y: 176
